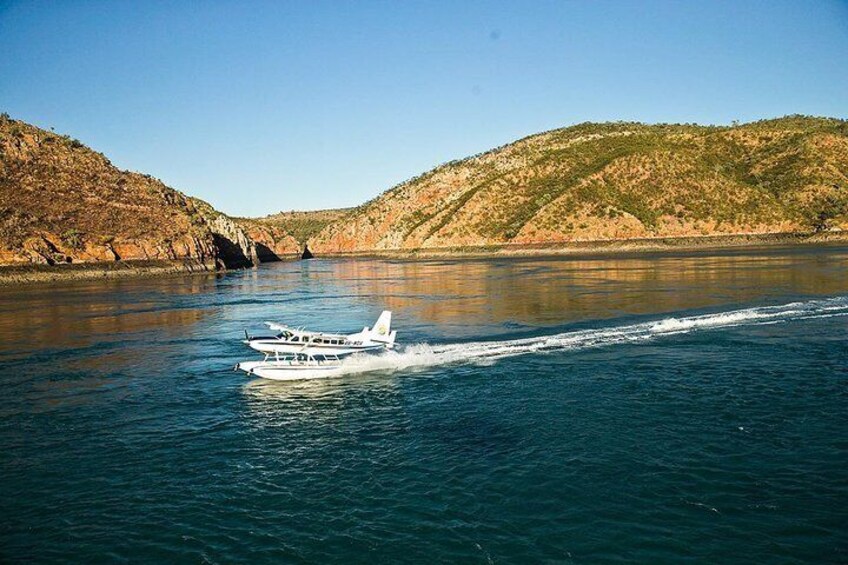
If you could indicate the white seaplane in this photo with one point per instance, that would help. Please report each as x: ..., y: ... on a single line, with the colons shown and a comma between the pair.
x: 295, y: 353
x: 290, y: 340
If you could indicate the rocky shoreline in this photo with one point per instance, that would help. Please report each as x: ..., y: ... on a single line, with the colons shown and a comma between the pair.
x: 32, y: 273
x: 607, y: 247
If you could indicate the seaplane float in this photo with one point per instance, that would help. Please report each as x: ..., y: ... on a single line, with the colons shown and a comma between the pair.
x: 297, y: 353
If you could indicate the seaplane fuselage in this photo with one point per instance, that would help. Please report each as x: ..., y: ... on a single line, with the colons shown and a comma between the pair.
x: 312, y: 345
x: 292, y: 340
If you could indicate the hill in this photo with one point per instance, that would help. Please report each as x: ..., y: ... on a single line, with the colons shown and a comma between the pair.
x: 61, y: 202
x: 304, y: 225
x: 615, y: 181
x: 284, y: 234
x: 273, y: 243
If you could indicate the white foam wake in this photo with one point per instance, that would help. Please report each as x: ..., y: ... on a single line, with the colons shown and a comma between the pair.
x: 422, y: 355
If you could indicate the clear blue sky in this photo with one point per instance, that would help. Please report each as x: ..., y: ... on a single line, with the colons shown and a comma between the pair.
x: 265, y: 106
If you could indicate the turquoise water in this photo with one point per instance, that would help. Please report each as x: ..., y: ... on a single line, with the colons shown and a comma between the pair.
x: 633, y: 409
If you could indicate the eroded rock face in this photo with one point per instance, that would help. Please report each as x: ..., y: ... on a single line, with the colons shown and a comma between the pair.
x: 616, y: 181
x: 272, y: 243
x: 61, y: 202
x: 284, y: 234
x: 235, y: 249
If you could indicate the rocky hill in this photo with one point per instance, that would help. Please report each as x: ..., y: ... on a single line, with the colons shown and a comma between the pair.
x: 273, y: 243
x: 285, y: 234
x: 61, y: 202
x: 303, y: 225
x: 615, y: 181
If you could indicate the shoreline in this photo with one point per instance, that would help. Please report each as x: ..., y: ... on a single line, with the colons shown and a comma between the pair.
x: 20, y: 274
x: 28, y: 273
x: 604, y: 247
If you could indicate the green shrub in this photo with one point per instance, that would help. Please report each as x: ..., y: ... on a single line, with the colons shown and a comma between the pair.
x: 73, y: 238
x: 824, y: 208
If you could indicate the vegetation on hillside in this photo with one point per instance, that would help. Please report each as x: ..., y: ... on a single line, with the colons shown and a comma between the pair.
x: 616, y: 181
x: 62, y: 202
x: 304, y: 225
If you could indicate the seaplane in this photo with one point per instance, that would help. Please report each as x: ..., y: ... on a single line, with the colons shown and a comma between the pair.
x: 295, y: 353
x: 299, y: 341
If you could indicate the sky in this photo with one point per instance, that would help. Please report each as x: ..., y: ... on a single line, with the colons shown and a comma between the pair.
x: 259, y: 107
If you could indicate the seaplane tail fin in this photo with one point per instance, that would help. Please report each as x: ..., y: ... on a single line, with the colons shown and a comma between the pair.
x: 382, y: 330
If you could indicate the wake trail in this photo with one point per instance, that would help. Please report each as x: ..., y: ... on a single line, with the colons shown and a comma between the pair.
x: 424, y: 355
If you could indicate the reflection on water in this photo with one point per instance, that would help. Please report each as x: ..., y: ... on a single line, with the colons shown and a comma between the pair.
x: 79, y: 314
x: 317, y: 412
x: 315, y: 389
x: 550, y: 291
x: 461, y: 297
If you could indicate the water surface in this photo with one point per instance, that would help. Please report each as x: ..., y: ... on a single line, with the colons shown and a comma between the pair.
x: 646, y: 408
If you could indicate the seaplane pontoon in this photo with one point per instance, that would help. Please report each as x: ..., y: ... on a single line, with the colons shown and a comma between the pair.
x: 293, y: 366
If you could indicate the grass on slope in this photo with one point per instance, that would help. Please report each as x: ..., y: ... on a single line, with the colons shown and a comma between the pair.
x: 303, y: 225
x: 788, y: 169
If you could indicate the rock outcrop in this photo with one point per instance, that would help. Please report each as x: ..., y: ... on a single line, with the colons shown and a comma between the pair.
x: 235, y: 249
x: 272, y: 243
x: 61, y: 202
x: 284, y: 234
